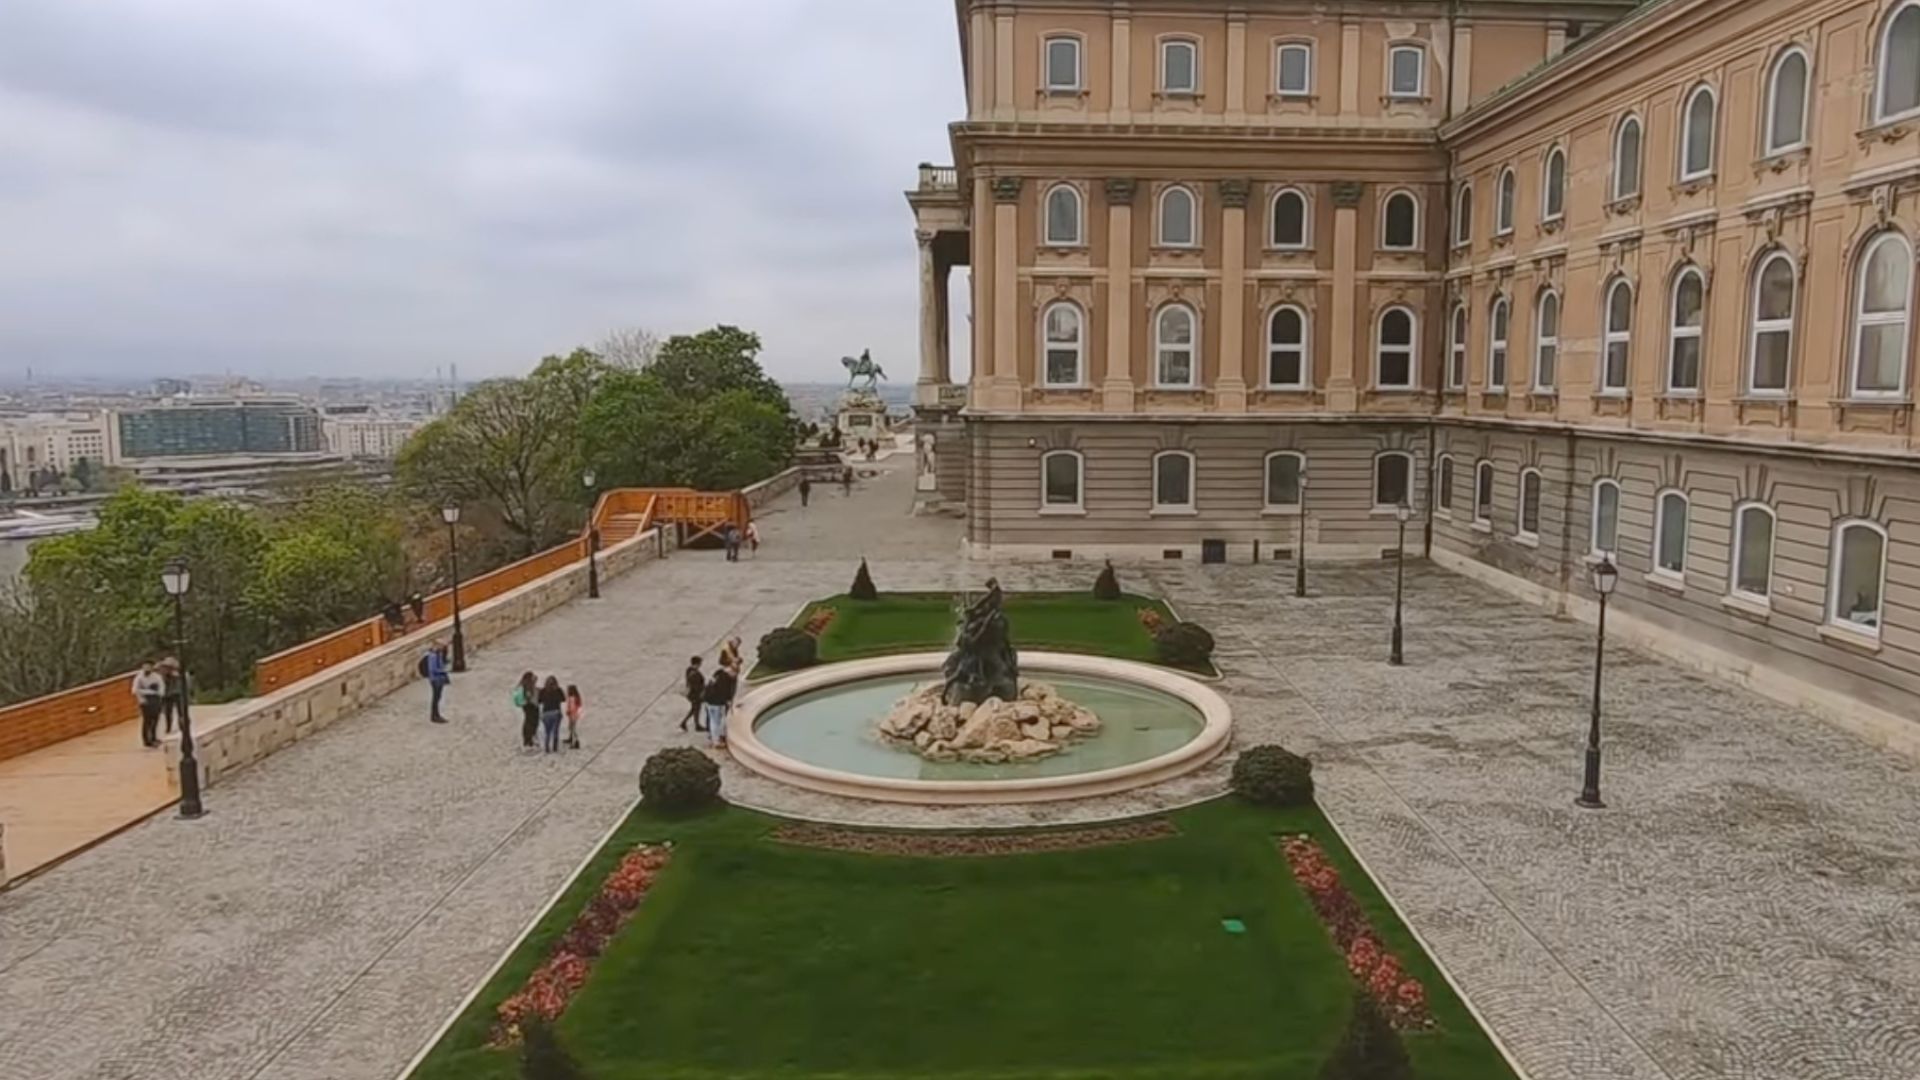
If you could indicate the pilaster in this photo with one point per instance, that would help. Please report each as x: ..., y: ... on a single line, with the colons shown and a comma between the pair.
x: 1003, y: 390
x: 1116, y: 381
x: 1121, y: 61
x: 1342, y: 393
x: 1237, y: 67
x: 1230, y: 385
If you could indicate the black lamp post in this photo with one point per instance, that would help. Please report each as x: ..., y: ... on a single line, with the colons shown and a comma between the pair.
x: 450, y: 514
x: 1605, y: 578
x: 1402, y: 514
x: 1300, y: 555
x: 593, y: 543
x: 177, y: 579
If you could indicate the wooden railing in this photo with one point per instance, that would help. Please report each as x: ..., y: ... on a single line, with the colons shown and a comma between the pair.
x: 43, y: 721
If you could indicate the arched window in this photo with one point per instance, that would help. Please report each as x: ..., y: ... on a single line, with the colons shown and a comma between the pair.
x: 1883, y: 297
x: 1787, y: 102
x: 1753, y: 551
x: 1293, y: 69
x: 1062, y: 479
x: 1289, y: 219
x: 1400, y: 222
x: 1179, y: 66
x: 1857, y: 587
x: 1498, y: 321
x: 1617, y: 333
x: 1529, y: 525
x: 1175, y: 337
x: 1503, y: 200
x: 1173, y: 482
x: 1284, y: 470
x: 1063, y: 216
x: 1178, y: 224
x: 1670, y: 534
x: 1899, y: 90
x: 1771, y: 350
x: 1546, y: 342
x: 1397, y: 350
x: 1463, y: 215
x: 1443, y: 482
x: 1553, y: 186
x: 1483, y: 493
x: 1696, y: 135
x: 1406, y: 71
x: 1064, y: 343
x: 1457, y: 348
x: 1604, y: 533
x: 1626, y: 159
x: 1392, y: 478
x: 1063, y: 64
x: 1688, y: 322
x: 1287, y: 347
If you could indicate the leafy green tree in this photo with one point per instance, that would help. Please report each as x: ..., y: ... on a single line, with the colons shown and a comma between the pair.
x: 83, y: 474
x: 49, y: 647
x: 113, y: 568
x: 713, y: 362
x: 309, y: 583
x: 222, y: 543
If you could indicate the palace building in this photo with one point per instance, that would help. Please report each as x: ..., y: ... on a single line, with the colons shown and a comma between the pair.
x: 1573, y: 280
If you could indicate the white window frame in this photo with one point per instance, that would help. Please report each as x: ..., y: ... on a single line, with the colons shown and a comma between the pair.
x: 1306, y: 220
x: 1192, y: 348
x: 1079, y: 238
x: 1266, y: 483
x: 1483, y: 486
x: 1304, y: 348
x: 1660, y: 532
x: 1542, y: 341
x: 1687, y: 133
x: 1611, y: 335
x: 1499, y: 344
x: 1773, y: 101
x: 1160, y: 218
x: 1863, y: 318
x: 1881, y: 70
x: 1593, y: 520
x: 1675, y: 332
x: 1419, y: 91
x: 1412, y: 349
x: 1548, y: 213
x: 1168, y: 43
x: 1457, y: 325
x: 1078, y: 506
x: 1506, y: 199
x: 1443, y: 486
x: 1280, y: 89
x: 1079, y: 64
x: 1079, y: 347
x: 1386, y: 206
x: 1463, y: 215
x: 1838, y: 557
x: 1189, y: 508
x: 1620, y: 190
x: 1520, y: 529
x: 1383, y: 455
x: 1757, y: 326
x: 1740, y: 510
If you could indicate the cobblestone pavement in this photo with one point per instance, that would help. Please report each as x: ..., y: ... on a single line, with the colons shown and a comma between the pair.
x: 1746, y: 909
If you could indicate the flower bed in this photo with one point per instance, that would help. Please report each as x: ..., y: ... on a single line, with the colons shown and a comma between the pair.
x: 1151, y: 620
x: 818, y: 621
x: 564, y: 971
x: 1399, y: 995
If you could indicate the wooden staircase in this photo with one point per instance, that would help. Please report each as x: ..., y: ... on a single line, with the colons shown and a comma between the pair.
x: 624, y: 513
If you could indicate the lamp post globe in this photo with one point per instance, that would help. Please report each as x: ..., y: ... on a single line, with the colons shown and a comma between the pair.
x: 1606, y: 578
x: 176, y: 578
x: 450, y: 513
x: 1401, y: 515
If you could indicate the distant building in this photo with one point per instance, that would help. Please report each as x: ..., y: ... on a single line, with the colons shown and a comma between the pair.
x: 226, y: 427
x: 35, y: 443
x: 356, y: 432
x: 167, y: 388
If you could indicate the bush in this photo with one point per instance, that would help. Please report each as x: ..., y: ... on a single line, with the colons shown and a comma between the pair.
x: 543, y: 1058
x: 788, y: 649
x: 1107, y: 585
x: 1273, y: 776
x: 863, y: 585
x: 1369, y: 1049
x: 679, y: 778
x: 1186, y: 645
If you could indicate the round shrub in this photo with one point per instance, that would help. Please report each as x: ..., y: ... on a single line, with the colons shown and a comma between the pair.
x: 1107, y: 585
x: 679, y: 778
x: 1273, y: 776
x: 788, y: 649
x: 1186, y: 645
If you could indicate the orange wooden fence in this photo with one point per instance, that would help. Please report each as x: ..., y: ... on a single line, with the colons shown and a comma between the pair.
x: 43, y: 721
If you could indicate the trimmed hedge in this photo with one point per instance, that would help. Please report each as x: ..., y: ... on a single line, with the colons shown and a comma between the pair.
x: 679, y: 778
x: 862, y: 588
x: 1107, y: 585
x: 1369, y: 1049
x: 1273, y: 776
x: 789, y: 649
x: 1185, y: 645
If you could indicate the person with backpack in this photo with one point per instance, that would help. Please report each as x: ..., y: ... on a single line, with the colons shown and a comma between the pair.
x: 575, y: 706
x: 696, y: 688
x: 525, y: 697
x: 553, y: 704
x: 719, y: 701
x: 433, y: 666
x: 806, y: 490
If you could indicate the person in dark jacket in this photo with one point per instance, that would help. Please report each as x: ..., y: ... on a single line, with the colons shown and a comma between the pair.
x: 719, y: 702
x: 526, y: 694
x: 806, y: 490
x: 553, y: 705
x: 437, y: 679
x: 417, y: 604
x: 696, y: 687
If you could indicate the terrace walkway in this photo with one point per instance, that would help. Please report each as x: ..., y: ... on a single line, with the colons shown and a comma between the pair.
x: 1747, y: 908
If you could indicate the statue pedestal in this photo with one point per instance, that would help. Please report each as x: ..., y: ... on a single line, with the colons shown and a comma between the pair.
x: 862, y: 415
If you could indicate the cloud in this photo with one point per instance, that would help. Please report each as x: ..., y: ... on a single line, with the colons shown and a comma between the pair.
x: 289, y: 187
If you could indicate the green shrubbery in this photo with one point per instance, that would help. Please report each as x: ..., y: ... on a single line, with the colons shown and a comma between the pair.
x: 862, y: 588
x: 679, y: 778
x: 1107, y: 585
x: 789, y: 649
x: 1184, y: 645
x: 1273, y: 776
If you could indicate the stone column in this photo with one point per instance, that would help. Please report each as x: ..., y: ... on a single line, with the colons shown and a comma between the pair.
x: 983, y: 265
x: 1349, y: 68
x: 1342, y: 395
x: 1003, y: 104
x: 1236, y: 67
x: 927, y: 390
x: 1004, y: 391
x: 1121, y: 61
x: 1461, y: 61
x: 1116, y: 380
x: 1230, y: 384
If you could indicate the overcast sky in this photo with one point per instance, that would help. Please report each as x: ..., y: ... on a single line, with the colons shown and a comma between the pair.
x: 380, y: 187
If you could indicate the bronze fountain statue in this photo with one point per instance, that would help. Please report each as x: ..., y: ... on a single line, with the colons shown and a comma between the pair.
x: 983, y: 664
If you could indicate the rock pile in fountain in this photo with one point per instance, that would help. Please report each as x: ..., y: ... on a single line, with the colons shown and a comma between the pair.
x: 1036, y: 724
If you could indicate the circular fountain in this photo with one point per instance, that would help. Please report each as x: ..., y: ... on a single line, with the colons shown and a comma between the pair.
x: 979, y: 725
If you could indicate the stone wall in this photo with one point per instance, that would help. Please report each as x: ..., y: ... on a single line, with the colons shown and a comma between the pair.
x: 772, y: 487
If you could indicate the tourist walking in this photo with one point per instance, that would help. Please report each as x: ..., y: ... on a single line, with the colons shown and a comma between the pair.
x: 553, y: 704
x: 806, y: 490
x: 730, y: 537
x: 172, y: 681
x: 753, y: 538
x: 696, y: 687
x: 575, y: 706
x: 417, y: 604
x: 395, y: 618
x: 437, y: 679
x: 149, y: 689
x: 525, y: 695
x: 730, y: 656
x: 719, y: 701
x: 846, y: 480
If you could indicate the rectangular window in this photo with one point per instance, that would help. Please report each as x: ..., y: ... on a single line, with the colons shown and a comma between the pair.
x: 1446, y: 484
x: 1283, y: 480
x: 1753, y: 552
x: 1063, y: 64
x: 1606, y: 518
x: 1392, y: 479
x: 1173, y: 481
x: 1062, y: 480
x: 1407, y: 69
x: 1179, y: 67
x: 1671, y: 541
x: 1295, y: 70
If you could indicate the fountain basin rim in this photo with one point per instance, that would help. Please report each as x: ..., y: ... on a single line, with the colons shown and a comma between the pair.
x: 756, y: 756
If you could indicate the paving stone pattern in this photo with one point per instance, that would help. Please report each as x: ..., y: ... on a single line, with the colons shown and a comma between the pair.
x: 1746, y: 909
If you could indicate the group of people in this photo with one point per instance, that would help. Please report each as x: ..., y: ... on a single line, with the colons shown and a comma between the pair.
x: 402, y: 620
x: 543, y: 704
x: 710, y: 697
x: 159, y: 689
x: 806, y: 485
x: 731, y: 538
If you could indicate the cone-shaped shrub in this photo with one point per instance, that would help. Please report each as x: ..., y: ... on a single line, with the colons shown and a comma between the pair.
x: 863, y: 585
x: 1107, y: 585
x: 1369, y: 1049
x: 543, y: 1058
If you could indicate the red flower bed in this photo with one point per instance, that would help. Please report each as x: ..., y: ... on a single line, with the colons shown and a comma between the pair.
x: 1151, y: 619
x: 1399, y: 995
x: 817, y: 622
x: 564, y: 971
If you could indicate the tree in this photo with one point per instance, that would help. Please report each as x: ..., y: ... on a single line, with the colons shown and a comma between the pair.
x: 222, y: 543
x: 509, y: 443
x: 83, y: 473
x: 714, y: 362
x: 49, y: 647
x: 309, y: 582
x: 630, y: 348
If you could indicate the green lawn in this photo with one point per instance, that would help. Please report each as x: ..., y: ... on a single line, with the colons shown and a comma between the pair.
x: 752, y: 958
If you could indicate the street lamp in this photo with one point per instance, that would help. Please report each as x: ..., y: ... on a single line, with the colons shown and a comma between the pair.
x: 177, y: 579
x: 593, y: 542
x: 1605, y: 578
x: 450, y: 514
x: 1300, y: 555
x: 1402, y: 514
